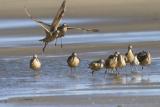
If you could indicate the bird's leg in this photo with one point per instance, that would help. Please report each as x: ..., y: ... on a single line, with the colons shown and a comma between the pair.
x: 142, y: 67
x: 37, y: 75
x: 117, y: 72
x: 55, y: 42
x: 116, y: 69
x: 105, y: 73
x: 112, y: 71
x: 136, y: 68
x: 45, y: 46
x: 75, y: 70
x: 71, y: 71
x: 92, y: 73
x: 61, y: 43
x: 125, y: 74
x: 131, y: 68
x: 123, y: 70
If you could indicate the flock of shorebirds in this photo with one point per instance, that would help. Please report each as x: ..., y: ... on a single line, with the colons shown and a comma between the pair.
x: 112, y: 63
x: 119, y: 61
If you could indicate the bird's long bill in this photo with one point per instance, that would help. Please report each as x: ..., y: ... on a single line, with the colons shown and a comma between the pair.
x: 84, y: 29
x: 58, y: 17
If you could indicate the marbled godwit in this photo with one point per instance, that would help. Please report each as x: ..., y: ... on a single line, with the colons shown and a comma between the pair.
x: 50, y: 30
x: 96, y: 65
x: 144, y: 58
x: 35, y: 63
x: 73, y: 61
x: 135, y: 62
x: 130, y: 55
x: 64, y: 28
x: 111, y: 62
x: 121, y: 61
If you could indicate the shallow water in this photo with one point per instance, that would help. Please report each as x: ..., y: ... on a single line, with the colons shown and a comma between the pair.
x: 17, y: 80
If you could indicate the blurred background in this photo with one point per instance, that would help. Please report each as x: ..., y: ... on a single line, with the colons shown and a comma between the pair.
x: 107, y: 15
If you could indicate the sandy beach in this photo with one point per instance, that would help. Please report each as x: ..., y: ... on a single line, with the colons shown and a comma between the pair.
x: 121, y: 22
x: 86, y: 101
x: 81, y: 48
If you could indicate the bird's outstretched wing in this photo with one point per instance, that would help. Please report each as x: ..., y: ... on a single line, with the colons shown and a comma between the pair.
x: 84, y: 29
x: 58, y: 17
x: 42, y: 24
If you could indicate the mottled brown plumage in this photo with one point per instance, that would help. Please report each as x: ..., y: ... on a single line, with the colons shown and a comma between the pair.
x: 130, y: 55
x: 35, y: 63
x: 73, y: 61
x: 64, y: 28
x: 121, y: 61
x: 144, y: 58
x: 111, y: 62
x: 50, y: 30
x: 135, y: 61
x: 96, y: 65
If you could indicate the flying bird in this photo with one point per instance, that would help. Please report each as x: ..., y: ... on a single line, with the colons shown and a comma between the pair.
x: 56, y: 30
x: 50, y: 30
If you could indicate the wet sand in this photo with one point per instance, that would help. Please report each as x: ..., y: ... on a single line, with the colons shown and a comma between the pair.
x: 154, y: 47
x: 85, y: 101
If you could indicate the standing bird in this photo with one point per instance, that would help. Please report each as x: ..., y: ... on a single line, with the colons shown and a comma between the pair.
x: 111, y: 62
x: 144, y: 58
x: 135, y: 62
x: 35, y: 63
x: 121, y: 61
x: 130, y: 55
x: 73, y: 61
x: 64, y: 28
x: 96, y: 65
x: 50, y: 30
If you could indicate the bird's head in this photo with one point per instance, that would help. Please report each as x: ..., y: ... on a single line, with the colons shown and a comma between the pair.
x: 74, y: 54
x: 148, y: 53
x: 102, y: 61
x: 116, y: 54
x: 35, y: 56
x: 57, y: 31
x: 130, y: 46
x: 65, y: 25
